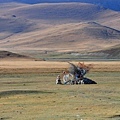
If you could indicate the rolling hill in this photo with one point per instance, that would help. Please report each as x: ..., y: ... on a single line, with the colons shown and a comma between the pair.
x: 15, y: 18
x: 72, y: 36
x: 111, y: 4
x: 58, y: 27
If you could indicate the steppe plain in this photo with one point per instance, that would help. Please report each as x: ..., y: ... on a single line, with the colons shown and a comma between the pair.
x: 28, y: 92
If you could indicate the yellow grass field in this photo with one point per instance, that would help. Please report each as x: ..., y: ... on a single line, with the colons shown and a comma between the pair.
x: 36, y: 66
x: 28, y: 92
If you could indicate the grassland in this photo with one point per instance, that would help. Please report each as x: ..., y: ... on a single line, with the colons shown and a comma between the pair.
x: 28, y: 92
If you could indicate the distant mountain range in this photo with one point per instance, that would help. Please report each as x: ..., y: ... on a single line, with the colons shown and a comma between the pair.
x: 110, y: 4
x: 59, y: 27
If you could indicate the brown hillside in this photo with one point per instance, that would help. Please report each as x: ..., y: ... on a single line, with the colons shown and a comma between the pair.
x: 60, y: 27
x: 62, y: 11
x: 80, y: 36
x: 113, y: 52
x: 25, y: 17
x: 11, y: 55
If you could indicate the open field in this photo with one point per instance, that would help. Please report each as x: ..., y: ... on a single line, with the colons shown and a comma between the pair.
x: 28, y: 92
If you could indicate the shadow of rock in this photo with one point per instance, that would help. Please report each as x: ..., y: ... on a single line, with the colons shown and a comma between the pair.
x: 5, y: 118
x: 16, y: 92
x: 88, y: 81
x: 115, y: 116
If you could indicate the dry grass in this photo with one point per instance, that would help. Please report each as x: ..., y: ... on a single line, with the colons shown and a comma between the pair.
x: 25, y: 66
x: 33, y: 94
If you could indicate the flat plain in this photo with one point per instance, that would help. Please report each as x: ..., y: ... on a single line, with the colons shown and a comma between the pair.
x: 28, y: 92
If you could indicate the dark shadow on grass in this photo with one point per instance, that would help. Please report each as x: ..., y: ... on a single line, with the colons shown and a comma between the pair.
x: 5, y: 118
x: 20, y: 82
x: 115, y: 116
x: 16, y: 92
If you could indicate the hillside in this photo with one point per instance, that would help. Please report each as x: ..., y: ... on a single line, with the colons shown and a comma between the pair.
x: 56, y: 13
x: 58, y: 27
x: 113, y: 52
x: 61, y: 12
x: 72, y: 36
x: 9, y: 55
x: 23, y: 18
x: 111, y: 4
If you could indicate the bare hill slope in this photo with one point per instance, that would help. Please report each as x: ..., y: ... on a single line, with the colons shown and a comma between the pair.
x: 62, y: 11
x: 59, y: 26
x: 55, y: 13
x: 111, y: 4
x: 72, y: 36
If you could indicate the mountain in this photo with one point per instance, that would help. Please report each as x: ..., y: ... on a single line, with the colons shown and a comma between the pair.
x: 58, y: 27
x: 111, y: 4
x: 72, y: 36
x: 19, y: 18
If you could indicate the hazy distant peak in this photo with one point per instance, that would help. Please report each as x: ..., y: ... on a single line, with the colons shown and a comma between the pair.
x: 111, y: 4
